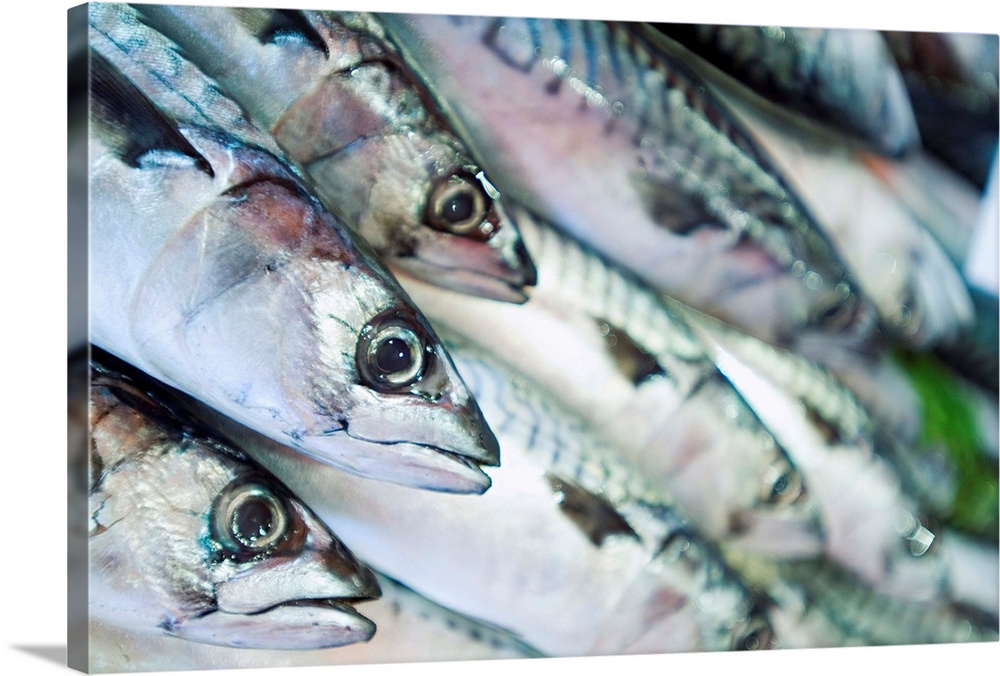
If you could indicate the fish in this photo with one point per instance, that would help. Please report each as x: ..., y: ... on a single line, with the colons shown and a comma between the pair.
x: 189, y: 538
x: 604, y: 345
x: 344, y: 105
x: 595, y: 128
x: 866, y: 487
x: 78, y: 486
x: 920, y: 295
x: 570, y: 550
x: 844, y: 79
x: 217, y: 271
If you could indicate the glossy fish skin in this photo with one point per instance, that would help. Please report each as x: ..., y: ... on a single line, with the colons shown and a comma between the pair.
x: 190, y: 538
x: 599, y: 342
x: 343, y: 104
x: 567, y: 530
x: 664, y: 184
x: 846, y: 79
x: 215, y: 270
x: 918, y: 293
x: 818, y: 605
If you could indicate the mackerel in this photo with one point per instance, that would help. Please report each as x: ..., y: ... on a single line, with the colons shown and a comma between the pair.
x: 605, y: 346
x: 876, y: 526
x: 818, y: 605
x: 189, y: 538
x: 844, y: 79
x: 918, y: 292
x: 410, y: 629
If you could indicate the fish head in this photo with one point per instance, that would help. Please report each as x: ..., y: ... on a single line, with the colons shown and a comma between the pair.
x: 736, y: 482
x: 282, y: 580
x: 265, y: 307
x: 427, y: 208
x: 190, y: 537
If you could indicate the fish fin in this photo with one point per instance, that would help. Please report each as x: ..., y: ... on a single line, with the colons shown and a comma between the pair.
x: 593, y: 514
x: 129, y: 122
x: 628, y: 356
x: 271, y: 25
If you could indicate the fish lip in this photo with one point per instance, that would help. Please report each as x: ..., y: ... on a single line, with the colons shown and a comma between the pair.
x: 500, y: 282
x: 512, y: 289
x: 339, y: 624
x: 343, y: 604
x: 464, y: 467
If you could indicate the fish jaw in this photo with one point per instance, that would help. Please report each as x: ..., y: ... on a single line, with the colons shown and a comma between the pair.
x: 293, y: 626
x: 499, y: 268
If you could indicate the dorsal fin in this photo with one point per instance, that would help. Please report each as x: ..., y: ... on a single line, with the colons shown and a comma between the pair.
x: 129, y: 122
x: 269, y: 25
x: 594, y: 515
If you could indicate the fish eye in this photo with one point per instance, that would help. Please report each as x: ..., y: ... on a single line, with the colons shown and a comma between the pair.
x: 758, y: 635
x: 781, y: 485
x: 839, y: 314
x: 250, y: 519
x: 393, y: 353
x: 457, y: 204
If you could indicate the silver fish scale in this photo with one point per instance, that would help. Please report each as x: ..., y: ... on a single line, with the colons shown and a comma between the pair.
x: 405, y: 599
x: 814, y: 385
x: 881, y: 619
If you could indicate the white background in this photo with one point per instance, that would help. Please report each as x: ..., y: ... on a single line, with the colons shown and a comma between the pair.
x: 33, y: 254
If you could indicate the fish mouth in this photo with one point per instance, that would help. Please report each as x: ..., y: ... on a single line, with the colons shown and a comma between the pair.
x: 425, y: 466
x: 468, y: 281
x: 500, y: 269
x: 299, y: 624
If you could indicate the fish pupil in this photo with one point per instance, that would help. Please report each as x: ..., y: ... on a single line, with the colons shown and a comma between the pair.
x: 254, y: 520
x: 458, y: 208
x: 393, y: 356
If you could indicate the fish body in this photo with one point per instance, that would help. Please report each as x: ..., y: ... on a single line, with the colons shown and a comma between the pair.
x: 846, y: 79
x: 920, y: 296
x: 819, y: 605
x: 189, y: 538
x: 343, y: 104
x: 594, y: 128
x: 216, y: 270
x: 569, y: 550
x: 605, y: 346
